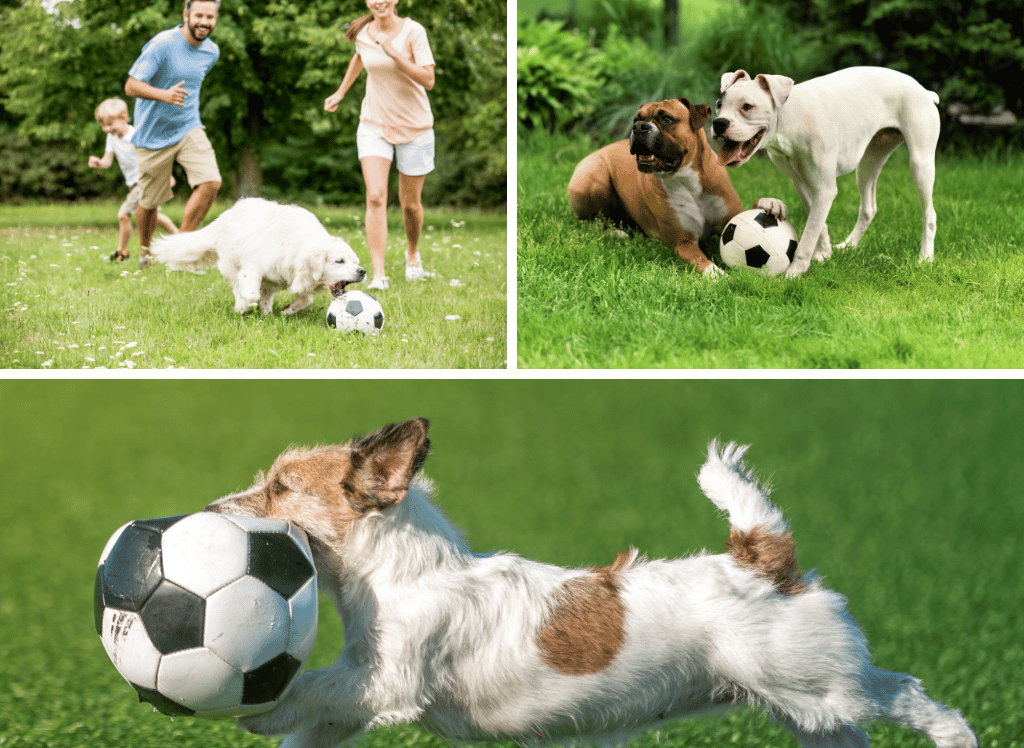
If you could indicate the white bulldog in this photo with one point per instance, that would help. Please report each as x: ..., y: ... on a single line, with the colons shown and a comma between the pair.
x: 825, y: 127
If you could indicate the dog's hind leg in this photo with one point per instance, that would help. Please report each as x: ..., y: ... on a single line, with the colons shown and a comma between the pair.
x: 878, y: 151
x: 901, y: 699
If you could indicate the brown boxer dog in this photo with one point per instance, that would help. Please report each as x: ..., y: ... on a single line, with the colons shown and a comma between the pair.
x: 665, y: 179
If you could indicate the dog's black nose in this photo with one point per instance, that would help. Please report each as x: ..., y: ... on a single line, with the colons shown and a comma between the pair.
x: 720, y: 125
x: 362, y: 274
x: 643, y: 127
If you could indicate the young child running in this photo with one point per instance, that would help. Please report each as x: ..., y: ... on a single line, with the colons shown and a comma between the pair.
x: 112, y: 114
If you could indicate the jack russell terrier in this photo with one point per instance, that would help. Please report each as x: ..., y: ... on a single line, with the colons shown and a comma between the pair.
x: 497, y: 647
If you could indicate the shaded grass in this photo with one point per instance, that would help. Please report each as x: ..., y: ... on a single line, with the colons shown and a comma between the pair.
x: 589, y: 300
x: 903, y: 496
x: 62, y: 306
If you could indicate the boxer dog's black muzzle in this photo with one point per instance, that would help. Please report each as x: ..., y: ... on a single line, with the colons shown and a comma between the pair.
x: 654, y: 152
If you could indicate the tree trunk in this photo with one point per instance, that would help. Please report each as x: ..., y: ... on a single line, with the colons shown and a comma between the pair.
x: 671, y: 22
x: 250, y: 174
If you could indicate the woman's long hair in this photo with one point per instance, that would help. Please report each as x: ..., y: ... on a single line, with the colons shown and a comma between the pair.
x: 356, y: 26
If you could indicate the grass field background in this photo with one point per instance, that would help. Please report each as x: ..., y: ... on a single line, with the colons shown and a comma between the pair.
x: 63, y: 306
x: 588, y: 300
x: 905, y: 496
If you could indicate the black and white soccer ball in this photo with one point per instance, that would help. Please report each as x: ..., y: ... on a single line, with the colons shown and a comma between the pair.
x: 356, y: 310
x: 207, y: 614
x: 759, y: 241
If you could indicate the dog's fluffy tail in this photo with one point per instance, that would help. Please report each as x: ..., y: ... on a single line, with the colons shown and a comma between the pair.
x: 190, y: 250
x: 759, y: 536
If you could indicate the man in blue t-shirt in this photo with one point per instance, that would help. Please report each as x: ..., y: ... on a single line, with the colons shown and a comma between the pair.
x: 165, y: 81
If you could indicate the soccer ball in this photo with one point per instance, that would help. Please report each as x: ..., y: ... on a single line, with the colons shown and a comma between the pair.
x: 758, y: 241
x: 207, y: 614
x: 356, y: 310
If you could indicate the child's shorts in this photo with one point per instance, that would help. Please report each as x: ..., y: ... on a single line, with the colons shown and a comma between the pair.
x: 131, y: 202
x: 414, y: 159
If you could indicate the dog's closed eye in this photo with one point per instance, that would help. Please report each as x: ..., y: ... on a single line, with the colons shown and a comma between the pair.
x: 340, y: 262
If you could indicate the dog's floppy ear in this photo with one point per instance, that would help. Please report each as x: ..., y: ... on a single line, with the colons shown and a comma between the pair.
x: 776, y: 86
x: 316, y: 263
x: 729, y: 78
x: 699, y: 114
x: 384, y: 463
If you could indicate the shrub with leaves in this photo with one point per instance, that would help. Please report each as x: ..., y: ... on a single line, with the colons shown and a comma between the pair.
x: 557, y: 76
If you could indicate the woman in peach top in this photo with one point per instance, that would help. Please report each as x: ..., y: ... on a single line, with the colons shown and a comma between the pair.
x: 395, y: 124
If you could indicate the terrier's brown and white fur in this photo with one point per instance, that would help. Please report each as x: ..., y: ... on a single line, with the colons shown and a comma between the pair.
x: 498, y: 647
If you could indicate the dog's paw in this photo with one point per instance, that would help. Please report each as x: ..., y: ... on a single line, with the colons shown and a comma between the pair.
x: 713, y: 272
x: 796, y: 269
x: 772, y: 207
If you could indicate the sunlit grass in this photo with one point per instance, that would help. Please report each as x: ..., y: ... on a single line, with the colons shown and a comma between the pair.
x: 62, y: 305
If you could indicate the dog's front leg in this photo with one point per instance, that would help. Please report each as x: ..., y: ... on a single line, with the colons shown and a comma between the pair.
x: 821, y: 197
x: 329, y: 696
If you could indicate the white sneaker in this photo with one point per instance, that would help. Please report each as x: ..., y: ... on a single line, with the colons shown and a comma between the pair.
x: 379, y: 284
x: 414, y: 271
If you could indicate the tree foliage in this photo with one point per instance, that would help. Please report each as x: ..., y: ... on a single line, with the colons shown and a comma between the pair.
x: 967, y: 52
x: 262, y: 103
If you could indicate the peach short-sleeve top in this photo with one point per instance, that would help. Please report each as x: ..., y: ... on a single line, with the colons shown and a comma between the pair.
x: 393, y: 101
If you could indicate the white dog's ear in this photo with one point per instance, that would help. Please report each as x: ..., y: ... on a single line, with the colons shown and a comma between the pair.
x: 384, y: 463
x: 729, y: 78
x: 316, y: 262
x: 777, y: 86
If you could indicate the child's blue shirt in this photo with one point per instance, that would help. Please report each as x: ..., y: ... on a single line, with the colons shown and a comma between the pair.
x: 166, y: 60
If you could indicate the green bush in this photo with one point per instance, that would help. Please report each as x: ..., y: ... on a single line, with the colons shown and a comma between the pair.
x: 50, y: 171
x: 759, y: 38
x: 557, y: 76
x: 567, y: 79
x: 264, y: 99
x: 969, y: 53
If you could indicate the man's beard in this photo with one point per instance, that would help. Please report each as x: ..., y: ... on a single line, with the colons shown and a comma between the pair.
x: 194, y: 30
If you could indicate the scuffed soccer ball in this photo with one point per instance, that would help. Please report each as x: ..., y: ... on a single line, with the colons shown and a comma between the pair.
x: 207, y: 614
x: 758, y: 241
x: 356, y: 310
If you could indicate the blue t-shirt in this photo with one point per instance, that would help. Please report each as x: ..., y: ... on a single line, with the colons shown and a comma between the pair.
x: 166, y: 60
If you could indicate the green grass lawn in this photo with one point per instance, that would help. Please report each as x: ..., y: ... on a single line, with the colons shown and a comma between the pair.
x: 905, y: 496
x: 63, y: 306
x: 588, y: 300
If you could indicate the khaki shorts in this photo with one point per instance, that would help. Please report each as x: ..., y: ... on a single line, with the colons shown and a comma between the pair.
x: 131, y: 203
x: 193, y: 152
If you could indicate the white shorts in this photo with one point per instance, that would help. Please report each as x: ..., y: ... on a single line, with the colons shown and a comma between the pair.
x: 414, y: 159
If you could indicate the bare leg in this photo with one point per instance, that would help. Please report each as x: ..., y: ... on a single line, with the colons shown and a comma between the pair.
x: 145, y: 220
x: 124, y: 233
x: 410, y: 191
x: 198, y: 205
x: 166, y: 223
x: 375, y: 173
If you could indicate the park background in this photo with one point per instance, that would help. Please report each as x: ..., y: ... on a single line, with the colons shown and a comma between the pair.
x: 262, y: 103
x: 63, y: 306
x: 587, y: 300
x: 588, y: 65
x: 905, y: 496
